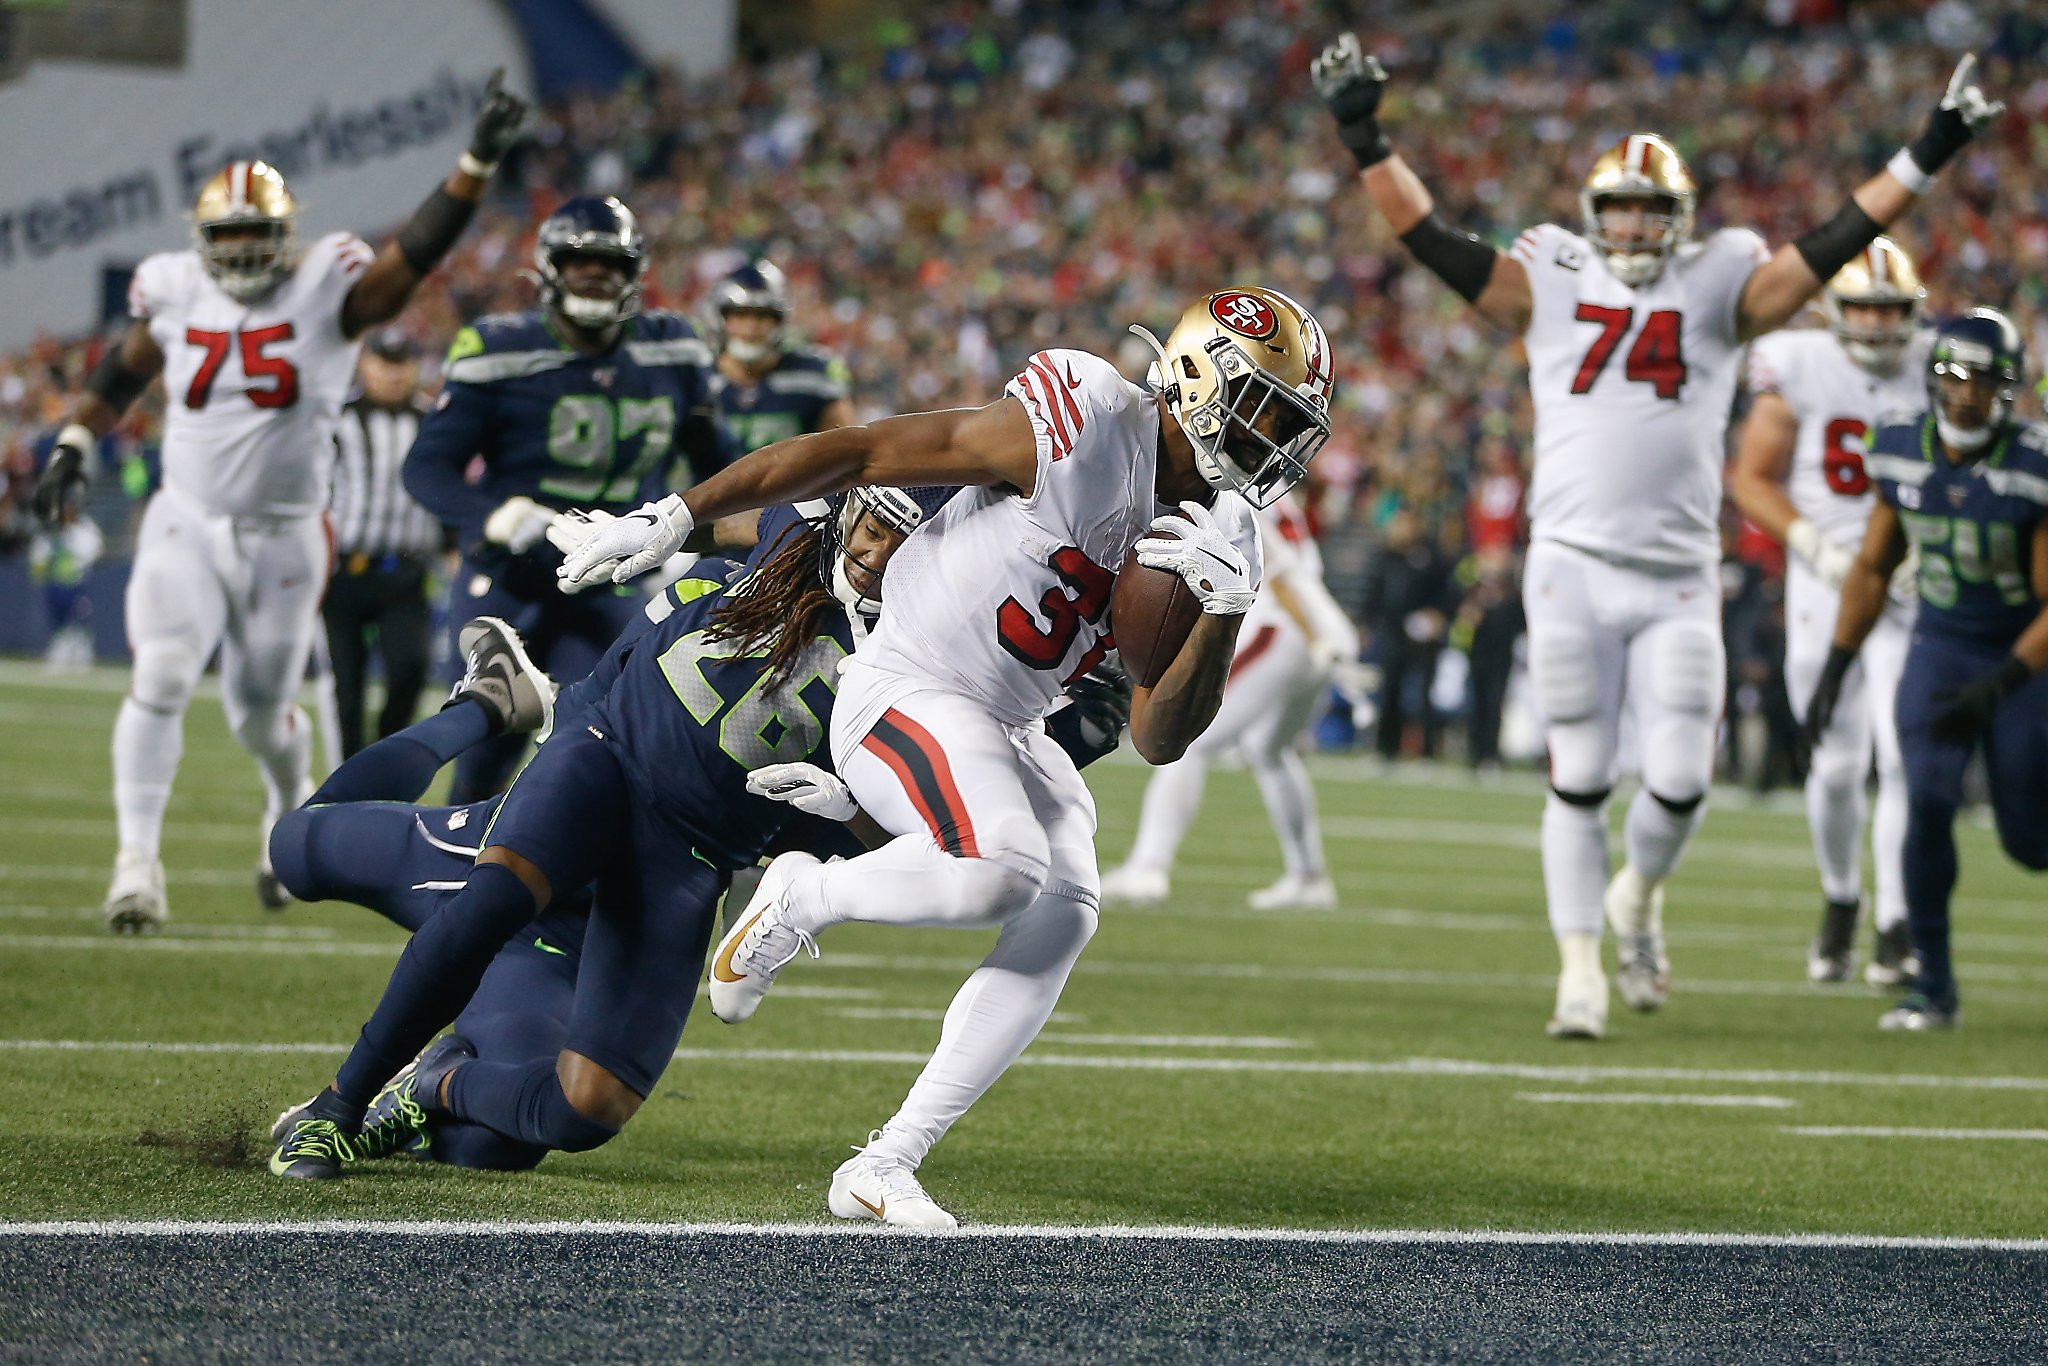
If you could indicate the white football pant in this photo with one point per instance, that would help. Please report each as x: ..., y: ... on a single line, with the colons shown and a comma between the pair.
x: 1864, y: 724
x: 992, y: 826
x: 250, y: 586
x: 1604, y: 637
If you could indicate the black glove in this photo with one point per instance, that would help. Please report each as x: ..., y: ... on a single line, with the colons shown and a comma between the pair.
x: 497, y: 122
x: 1820, y: 712
x: 1349, y: 81
x: 1962, y: 111
x: 1966, y: 711
x: 1099, y: 707
x: 66, y: 475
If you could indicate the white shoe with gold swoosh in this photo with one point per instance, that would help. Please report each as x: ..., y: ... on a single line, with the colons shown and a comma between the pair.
x: 875, y: 1186
x: 758, y: 945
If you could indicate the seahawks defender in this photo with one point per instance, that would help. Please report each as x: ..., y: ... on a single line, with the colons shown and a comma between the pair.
x: 586, y: 403
x: 640, y: 795
x: 1964, y: 484
x: 767, y: 389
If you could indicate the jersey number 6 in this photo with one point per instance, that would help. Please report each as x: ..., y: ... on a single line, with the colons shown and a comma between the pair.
x: 284, y: 390
x: 1657, y: 358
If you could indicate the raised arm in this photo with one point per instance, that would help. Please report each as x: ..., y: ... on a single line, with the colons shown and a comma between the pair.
x: 114, y: 385
x: 991, y: 445
x: 1494, y: 283
x: 1780, y: 287
x: 388, y: 283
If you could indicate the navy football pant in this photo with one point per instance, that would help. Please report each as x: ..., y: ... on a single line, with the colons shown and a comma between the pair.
x: 2015, y: 762
x: 572, y: 814
x: 564, y: 635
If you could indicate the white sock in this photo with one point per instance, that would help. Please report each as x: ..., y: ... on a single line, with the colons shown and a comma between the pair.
x: 283, y: 751
x: 993, y: 1018
x: 1888, y: 850
x: 1574, y: 865
x: 147, y: 746
x: 1291, y: 806
x: 1835, y: 813
x: 1171, y: 800
x: 1655, y: 836
x: 909, y: 881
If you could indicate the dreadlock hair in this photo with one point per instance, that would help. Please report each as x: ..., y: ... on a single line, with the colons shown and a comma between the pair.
x: 781, y: 604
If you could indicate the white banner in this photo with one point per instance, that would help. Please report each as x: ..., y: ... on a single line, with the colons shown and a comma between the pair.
x: 363, y: 106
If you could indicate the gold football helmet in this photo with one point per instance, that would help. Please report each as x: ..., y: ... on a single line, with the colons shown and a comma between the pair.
x: 1881, y: 274
x: 1247, y: 374
x: 246, y: 228
x: 1640, y: 166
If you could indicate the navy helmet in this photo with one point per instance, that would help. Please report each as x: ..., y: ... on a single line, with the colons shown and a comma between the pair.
x: 900, y: 510
x: 757, y: 286
x: 1980, y: 343
x: 591, y: 226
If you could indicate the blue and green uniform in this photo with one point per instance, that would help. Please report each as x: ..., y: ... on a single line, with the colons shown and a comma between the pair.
x: 789, y: 400
x: 539, y: 419
x: 1973, y: 526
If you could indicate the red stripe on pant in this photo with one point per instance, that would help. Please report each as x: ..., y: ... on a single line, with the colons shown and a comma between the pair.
x: 1249, y: 652
x: 920, y: 765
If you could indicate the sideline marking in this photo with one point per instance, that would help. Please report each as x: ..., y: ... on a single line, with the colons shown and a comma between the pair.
x: 1399, y: 1067
x: 1651, y: 1098
x: 441, y: 1228
x: 1880, y: 1131
x: 1172, y: 1040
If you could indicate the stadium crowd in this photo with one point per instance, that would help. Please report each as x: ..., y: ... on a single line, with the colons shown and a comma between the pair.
x: 950, y: 196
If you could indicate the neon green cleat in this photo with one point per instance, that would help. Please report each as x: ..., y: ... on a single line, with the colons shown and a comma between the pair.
x: 312, y: 1150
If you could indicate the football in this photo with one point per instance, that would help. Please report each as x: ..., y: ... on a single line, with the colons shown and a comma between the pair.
x: 1151, y: 612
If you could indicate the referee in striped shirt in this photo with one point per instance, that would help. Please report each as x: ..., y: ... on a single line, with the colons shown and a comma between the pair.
x: 384, y: 542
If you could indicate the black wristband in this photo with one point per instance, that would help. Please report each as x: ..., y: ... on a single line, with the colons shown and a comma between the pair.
x: 113, y: 381
x: 433, y: 228
x: 1839, y: 660
x: 1365, y: 141
x: 1830, y: 246
x: 1459, y: 259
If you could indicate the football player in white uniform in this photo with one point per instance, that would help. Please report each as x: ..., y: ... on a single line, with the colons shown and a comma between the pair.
x: 1633, y: 331
x: 256, y: 341
x: 1294, y: 641
x: 992, y: 606
x: 1799, y: 475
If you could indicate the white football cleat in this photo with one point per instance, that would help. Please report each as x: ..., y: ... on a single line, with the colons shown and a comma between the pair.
x: 1295, y: 892
x: 135, y: 898
x: 1136, y: 885
x: 872, y: 1186
x: 758, y: 946
x: 1635, y: 909
x: 1581, y: 1010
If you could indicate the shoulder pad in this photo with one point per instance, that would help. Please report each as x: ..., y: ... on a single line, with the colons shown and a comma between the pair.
x: 662, y: 324
x: 501, y: 346
x: 1548, y: 244
x: 1743, y: 243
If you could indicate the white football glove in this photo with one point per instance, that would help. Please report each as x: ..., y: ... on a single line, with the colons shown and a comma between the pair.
x: 569, y: 530
x: 1213, y: 569
x: 1904, y: 588
x: 1968, y: 102
x: 518, y: 524
x: 1822, y: 555
x: 806, y: 787
x: 618, y: 548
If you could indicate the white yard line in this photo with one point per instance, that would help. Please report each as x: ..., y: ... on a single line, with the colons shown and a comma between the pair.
x: 446, y: 1228
x: 1170, y: 1041
x: 1882, y: 1131
x: 1400, y: 1067
x: 1653, y: 1098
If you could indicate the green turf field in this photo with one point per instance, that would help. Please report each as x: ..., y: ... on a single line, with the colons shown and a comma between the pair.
x: 1380, y: 1066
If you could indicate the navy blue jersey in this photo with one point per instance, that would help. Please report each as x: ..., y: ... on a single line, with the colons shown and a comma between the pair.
x: 787, y: 401
x: 1973, y: 525
x: 561, y: 427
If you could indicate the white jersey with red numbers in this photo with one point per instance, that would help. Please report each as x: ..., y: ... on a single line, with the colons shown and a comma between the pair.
x: 1005, y: 598
x: 1632, y: 389
x: 1837, y: 403
x: 252, y: 391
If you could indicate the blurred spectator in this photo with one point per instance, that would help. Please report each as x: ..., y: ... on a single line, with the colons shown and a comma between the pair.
x: 1409, y: 598
x: 1489, y: 623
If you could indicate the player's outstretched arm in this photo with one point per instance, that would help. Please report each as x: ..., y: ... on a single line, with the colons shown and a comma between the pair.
x: 388, y: 284
x: 1863, y: 595
x: 991, y: 445
x: 1350, y: 82
x: 114, y: 385
x: 1780, y: 287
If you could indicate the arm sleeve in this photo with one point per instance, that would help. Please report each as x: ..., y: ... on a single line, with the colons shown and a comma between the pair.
x: 449, y: 437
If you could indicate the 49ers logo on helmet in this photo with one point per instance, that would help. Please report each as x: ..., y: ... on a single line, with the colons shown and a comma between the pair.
x: 1245, y: 314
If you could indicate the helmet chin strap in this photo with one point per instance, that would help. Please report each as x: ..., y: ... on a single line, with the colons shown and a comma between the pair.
x: 1208, y: 463
x: 748, y: 353
x: 849, y: 597
x: 1965, y: 440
